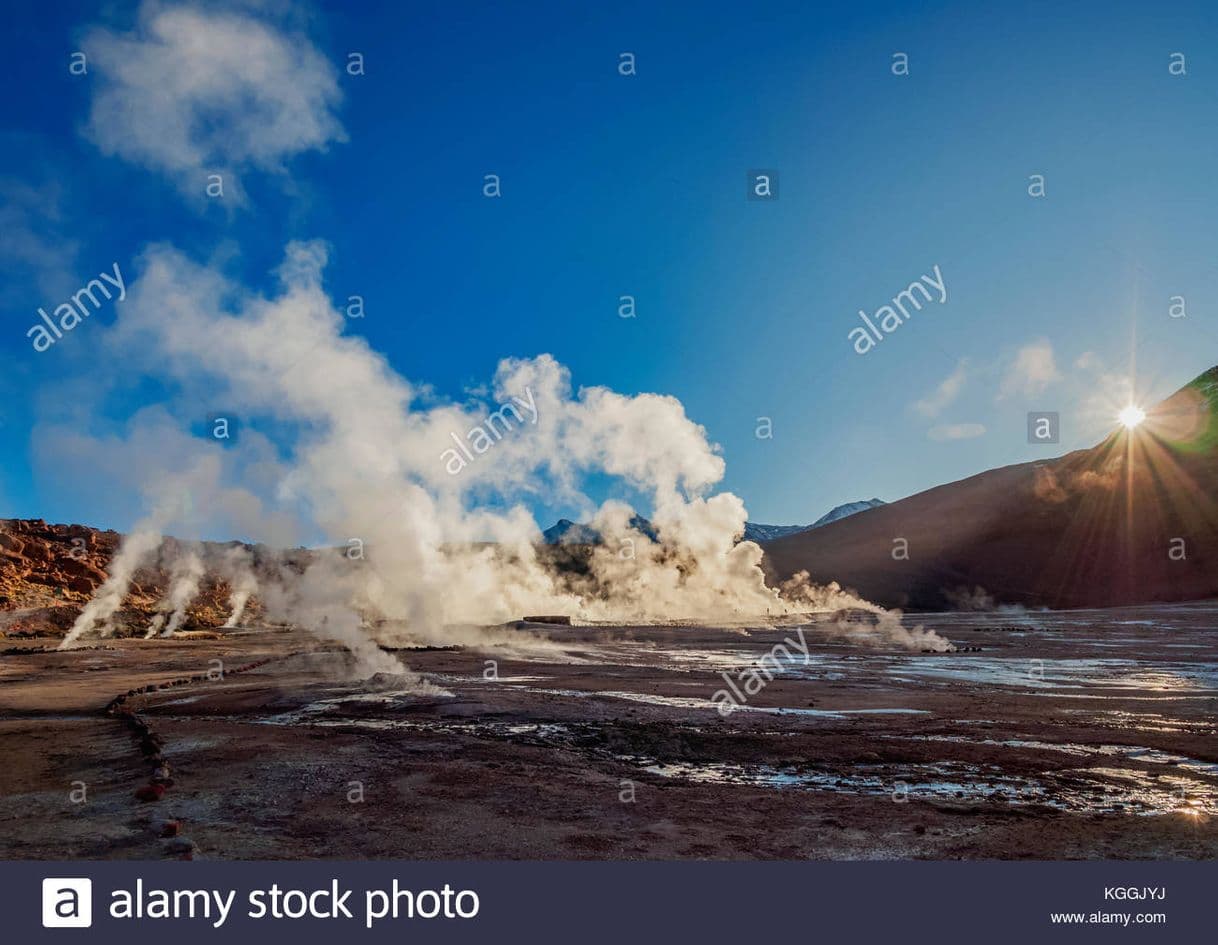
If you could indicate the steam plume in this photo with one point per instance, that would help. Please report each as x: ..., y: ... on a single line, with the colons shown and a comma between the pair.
x: 445, y: 549
x: 237, y: 569
x: 137, y: 547
x: 184, y: 581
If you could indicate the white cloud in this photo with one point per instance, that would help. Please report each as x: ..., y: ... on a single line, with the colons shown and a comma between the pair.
x: 1033, y: 370
x: 956, y: 431
x: 1088, y: 361
x: 192, y: 92
x: 32, y: 242
x: 943, y: 395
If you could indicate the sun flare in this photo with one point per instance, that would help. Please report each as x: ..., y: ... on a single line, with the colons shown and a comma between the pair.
x: 1131, y: 416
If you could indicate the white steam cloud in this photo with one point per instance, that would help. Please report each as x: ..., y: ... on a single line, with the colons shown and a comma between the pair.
x: 438, y: 550
x: 236, y: 568
x: 138, y: 546
x: 184, y: 580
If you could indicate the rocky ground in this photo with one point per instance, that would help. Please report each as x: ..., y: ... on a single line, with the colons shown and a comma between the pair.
x: 1075, y: 735
x: 49, y: 572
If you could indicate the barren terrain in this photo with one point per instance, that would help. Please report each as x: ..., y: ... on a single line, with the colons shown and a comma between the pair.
x: 1079, y: 734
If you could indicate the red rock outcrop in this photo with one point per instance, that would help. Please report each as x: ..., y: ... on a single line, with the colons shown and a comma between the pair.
x: 48, y: 573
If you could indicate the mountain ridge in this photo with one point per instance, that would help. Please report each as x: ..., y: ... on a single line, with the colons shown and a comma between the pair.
x: 567, y: 532
x: 1130, y: 520
x: 760, y: 533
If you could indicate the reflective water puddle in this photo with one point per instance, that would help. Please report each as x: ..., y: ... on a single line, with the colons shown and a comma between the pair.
x: 1082, y: 791
x: 689, y: 702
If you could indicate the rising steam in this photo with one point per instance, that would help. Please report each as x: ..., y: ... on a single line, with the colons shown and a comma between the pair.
x: 236, y: 568
x: 439, y: 550
x: 184, y: 581
x: 139, y: 545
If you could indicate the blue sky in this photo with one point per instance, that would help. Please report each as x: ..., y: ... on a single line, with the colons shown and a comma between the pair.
x: 619, y: 185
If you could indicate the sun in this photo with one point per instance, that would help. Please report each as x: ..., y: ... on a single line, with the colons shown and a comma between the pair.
x: 1131, y: 416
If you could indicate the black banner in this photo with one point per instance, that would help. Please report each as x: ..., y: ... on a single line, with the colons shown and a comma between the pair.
x: 607, y: 902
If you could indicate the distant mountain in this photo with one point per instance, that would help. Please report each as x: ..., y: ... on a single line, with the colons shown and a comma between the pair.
x: 755, y: 531
x: 567, y: 532
x: 844, y: 511
x: 1131, y: 520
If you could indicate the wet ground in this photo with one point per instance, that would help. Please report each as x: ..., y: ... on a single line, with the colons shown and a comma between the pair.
x: 1083, y: 734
